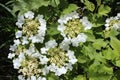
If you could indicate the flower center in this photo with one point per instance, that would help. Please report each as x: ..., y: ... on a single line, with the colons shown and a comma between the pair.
x: 73, y: 28
x: 57, y: 56
x: 30, y: 67
x: 112, y: 22
x: 30, y: 27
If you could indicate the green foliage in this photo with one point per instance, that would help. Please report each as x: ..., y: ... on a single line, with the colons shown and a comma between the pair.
x: 89, y: 5
x: 99, y: 43
x: 104, y: 10
x: 23, y: 5
x: 70, y: 8
x: 80, y: 77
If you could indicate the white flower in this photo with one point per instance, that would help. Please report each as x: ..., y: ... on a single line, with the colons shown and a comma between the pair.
x: 16, y: 63
x: 31, y: 50
x: 11, y: 55
x: 113, y: 23
x: 87, y: 25
x: 52, y: 67
x: 65, y: 43
x: 13, y: 47
x: 44, y: 50
x: 21, y: 57
x: 60, y: 71
x: 21, y: 77
x: 29, y: 15
x: 25, y: 40
x: 45, y: 70
x: 80, y: 38
x: 72, y: 58
x: 20, y: 21
x: 51, y: 44
x: 43, y: 60
x: 69, y: 66
x: 41, y: 78
x: 118, y: 15
x: 18, y: 34
x: 61, y: 28
x: 17, y: 42
x: 33, y: 78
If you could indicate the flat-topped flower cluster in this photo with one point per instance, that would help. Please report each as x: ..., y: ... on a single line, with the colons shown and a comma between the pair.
x: 34, y: 63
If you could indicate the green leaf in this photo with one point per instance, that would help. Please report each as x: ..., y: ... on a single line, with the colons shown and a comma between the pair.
x: 82, y: 59
x: 98, y: 67
x: 54, y: 3
x: 69, y: 9
x: 99, y: 43
x: 52, y: 76
x: 104, y: 10
x: 115, y: 43
x: 52, y: 30
x: 79, y: 77
x: 89, y: 5
x: 108, y: 54
x: 98, y: 2
x: 117, y: 63
x: 23, y: 5
x: 111, y: 33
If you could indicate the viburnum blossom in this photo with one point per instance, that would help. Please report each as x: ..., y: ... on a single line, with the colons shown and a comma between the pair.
x: 73, y: 28
x: 32, y: 27
x: 58, y: 58
x: 113, y: 23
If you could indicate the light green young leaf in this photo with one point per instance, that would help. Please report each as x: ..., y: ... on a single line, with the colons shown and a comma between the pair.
x: 69, y: 9
x: 108, y: 54
x: 79, y: 77
x: 99, y: 43
x: 104, y: 10
x: 117, y: 63
x: 52, y: 30
x: 89, y: 5
x: 115, y: 43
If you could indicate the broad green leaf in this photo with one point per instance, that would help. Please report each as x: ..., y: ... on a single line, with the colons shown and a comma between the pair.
x: 99, y: 43
x: 117, y: 63
x: 115, y: 43
x: 89, y: 5
x: 52, y: 30
x: 90, y: 35
x: 79, y: 77
x: 69, y: 9
x: 23, y: 6
x: 89, y: 51
x: 54, y: 3
x: 97, y: 67
x: 108, y: 54
x: 82, y: 59
x: 104, y: 10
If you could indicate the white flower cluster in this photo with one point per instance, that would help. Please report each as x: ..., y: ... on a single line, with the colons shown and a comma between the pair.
x: 60, y: 60
x: 113, y: 22
x: 72, y: 29
x: 33, y: 28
